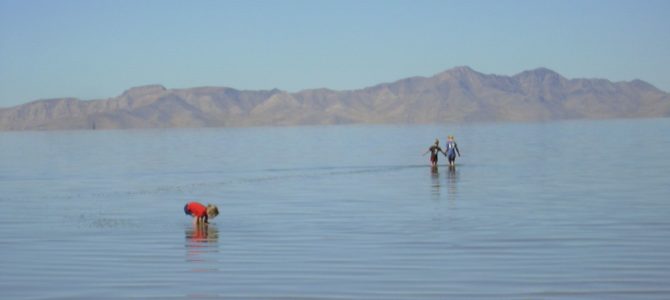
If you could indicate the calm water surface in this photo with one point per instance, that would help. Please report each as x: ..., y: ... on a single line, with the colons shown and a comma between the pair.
x: 566, y: 210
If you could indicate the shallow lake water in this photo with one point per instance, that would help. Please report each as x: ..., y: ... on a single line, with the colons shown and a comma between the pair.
x: 562, y: 210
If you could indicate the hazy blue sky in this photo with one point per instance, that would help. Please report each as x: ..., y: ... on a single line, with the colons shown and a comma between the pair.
x: 94, y: 49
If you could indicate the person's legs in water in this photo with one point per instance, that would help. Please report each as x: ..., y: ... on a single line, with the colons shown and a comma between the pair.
x: 433, y: 160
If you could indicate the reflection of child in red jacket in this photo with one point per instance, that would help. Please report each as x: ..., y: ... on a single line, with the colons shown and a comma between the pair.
x: 200, y: 212
x: 199, y: 234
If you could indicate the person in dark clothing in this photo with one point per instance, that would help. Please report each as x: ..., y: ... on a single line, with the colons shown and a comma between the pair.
x: 434, y: 150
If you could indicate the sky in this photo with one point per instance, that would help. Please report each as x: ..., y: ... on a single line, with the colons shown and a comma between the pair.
x: 96, y: 49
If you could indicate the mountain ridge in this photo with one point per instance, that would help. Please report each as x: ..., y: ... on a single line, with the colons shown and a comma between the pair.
x: 460, y: 94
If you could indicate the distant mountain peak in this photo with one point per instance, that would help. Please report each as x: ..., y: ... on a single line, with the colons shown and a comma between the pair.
x: 462, y: 69
x: 643, y: 84
x: 460, y: 72
x: 541, y: 72
x: 143, y: 90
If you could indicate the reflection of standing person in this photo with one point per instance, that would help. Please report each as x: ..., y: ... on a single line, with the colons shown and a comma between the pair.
x: 435, y: 178
x: 452, y: 183
x: 452, y: 149
x: 434, y: 150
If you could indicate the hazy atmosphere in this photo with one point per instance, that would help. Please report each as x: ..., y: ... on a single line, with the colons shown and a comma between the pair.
x: 98, y: 49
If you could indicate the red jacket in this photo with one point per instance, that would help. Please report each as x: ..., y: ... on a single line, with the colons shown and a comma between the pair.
x: 196, y: 209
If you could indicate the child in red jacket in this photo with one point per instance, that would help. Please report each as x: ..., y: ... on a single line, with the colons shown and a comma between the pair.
x: 201, y: 213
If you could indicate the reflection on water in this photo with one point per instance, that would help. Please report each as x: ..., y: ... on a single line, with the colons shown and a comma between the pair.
x: 202, y: 233
x: 201, y: 245
x: 435, y: 179
x: 452, y: 183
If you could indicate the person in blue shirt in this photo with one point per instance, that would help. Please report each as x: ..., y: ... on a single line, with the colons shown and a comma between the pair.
x: 452, y: 150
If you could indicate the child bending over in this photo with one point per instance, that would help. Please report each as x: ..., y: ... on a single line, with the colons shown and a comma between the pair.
x: 201, y: 213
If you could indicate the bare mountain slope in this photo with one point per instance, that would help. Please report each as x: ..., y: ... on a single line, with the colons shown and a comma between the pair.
x: 457, y: 95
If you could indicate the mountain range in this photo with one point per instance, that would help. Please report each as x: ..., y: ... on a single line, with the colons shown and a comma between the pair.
x: 456, y: 95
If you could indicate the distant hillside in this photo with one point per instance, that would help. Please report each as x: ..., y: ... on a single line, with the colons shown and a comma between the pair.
x: 457, y: 95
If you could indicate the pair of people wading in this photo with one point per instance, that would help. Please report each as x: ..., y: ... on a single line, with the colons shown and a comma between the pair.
x: 450, y: 153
